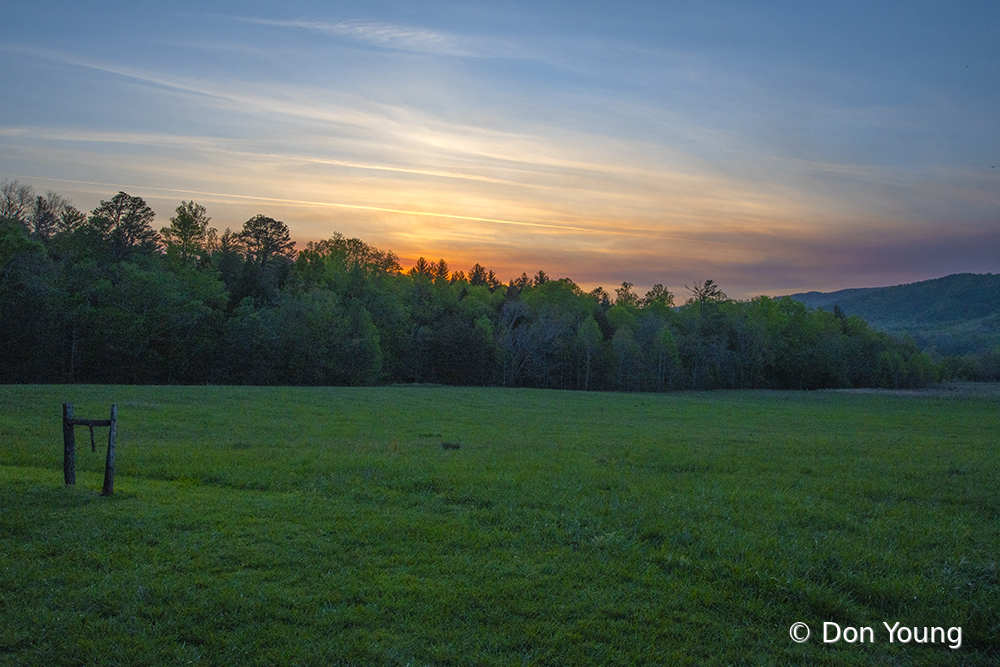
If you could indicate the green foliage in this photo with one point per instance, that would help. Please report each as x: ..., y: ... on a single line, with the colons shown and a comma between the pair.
x: 589, y: 339
x: 619, y: 317
x: 627, y: 362
x: 97, y: 302
x: 188, y: 237
x: 658, y: 300
x: 315, y: 526
x: 625, y: 297
x: 706, y: 292
x: 341, y: 255
x: 954, y: 315
x: 124, y: 223
x: 28, y: 314
x: 138, y: 323
x: 266, y: 238
x: 665, y: 356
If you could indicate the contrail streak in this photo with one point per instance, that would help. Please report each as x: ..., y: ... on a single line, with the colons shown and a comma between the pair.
x: 382, y: 209
x: 379, y: 167
x: 306, y: 202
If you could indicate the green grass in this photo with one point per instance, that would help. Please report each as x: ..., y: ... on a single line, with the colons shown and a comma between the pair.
x: 299, y: 526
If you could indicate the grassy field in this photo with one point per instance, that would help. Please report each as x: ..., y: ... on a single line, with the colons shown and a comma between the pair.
x: 302, y: 526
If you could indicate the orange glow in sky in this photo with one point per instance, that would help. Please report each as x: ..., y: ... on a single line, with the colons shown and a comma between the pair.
x: 774, y: 150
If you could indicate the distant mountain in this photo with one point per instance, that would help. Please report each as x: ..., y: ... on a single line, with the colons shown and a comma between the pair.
x: 957, y: 314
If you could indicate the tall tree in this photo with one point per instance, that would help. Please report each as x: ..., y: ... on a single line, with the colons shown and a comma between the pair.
x: 228, y: 257
x: 43, y: 219
x: 518, y: 285
x: 493, y: 281
x: 29, y: 316
x: 440, y: 271
x: 627, y: 353
x: 601, y: 296
x: 71, y: 219
x: 589, y: 338
x: 188, y: 233
x: 422, y: 268
x: 51, y: 216
x: 659, y: 298
x: 265, y: 239
x: 265, y: 248
x: 15, y: 201
x: 351, y: 254
x: 477, y: 274
x: 625, y: 296
x: 706, y: 292
x: 664, y: 350
x: 125, y: 223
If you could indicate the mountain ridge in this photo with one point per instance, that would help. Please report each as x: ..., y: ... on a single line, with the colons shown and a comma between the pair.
x: 954, y: 314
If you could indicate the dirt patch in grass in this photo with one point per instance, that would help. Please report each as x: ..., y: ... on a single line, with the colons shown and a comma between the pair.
x: 945, y: 389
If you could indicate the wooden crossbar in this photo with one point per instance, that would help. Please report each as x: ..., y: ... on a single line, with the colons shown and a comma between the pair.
x: 88, y: 422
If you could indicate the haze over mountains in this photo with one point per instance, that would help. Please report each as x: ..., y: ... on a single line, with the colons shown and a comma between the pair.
x: 956, y: 314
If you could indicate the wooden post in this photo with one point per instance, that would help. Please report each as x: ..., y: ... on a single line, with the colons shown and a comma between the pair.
x: 69, y: 446
x: 109, y: 465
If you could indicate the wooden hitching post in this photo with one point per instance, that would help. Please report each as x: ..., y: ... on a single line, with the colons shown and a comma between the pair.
x: 69, y: 445
x: 109, y: 465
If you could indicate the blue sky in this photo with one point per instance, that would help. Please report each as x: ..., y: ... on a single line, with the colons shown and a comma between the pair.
x: 774, y: 147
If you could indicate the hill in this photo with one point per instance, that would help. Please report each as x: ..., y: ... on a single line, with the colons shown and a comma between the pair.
x: 957, y: 314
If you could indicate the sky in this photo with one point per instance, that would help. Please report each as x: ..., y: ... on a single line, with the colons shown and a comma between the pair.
x: 773, y: 147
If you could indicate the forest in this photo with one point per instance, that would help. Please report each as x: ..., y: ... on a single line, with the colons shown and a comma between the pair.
x: 955, y: 318
x: 106, y: 298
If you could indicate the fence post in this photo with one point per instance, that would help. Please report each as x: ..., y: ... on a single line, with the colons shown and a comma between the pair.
x: 109, y: 465
x: 69, y: 445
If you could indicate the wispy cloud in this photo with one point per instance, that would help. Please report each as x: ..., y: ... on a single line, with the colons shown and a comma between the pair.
x: 96, y: 136
x: 316, y: 203
x: 400, y: 37
x: 207, y: 144
x: 587, y: 148
x: 588, y: 175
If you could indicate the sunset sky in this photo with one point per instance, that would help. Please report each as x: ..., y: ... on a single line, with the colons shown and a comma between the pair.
x: 774, y: 147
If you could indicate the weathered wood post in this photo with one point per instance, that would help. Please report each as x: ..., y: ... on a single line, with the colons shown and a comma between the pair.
x: 109, y: 464
x: 69, y: 445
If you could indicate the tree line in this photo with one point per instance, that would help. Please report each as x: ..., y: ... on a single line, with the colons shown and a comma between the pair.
x: 106, y: 298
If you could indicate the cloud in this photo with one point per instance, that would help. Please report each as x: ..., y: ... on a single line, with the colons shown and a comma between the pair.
x: 399, y: 37
x: 594, y: 229
x: 576, y: 175
x: 208, y: 144
x: 631, y: 186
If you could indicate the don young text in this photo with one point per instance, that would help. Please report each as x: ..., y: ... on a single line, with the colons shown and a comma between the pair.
x: 896, y: 634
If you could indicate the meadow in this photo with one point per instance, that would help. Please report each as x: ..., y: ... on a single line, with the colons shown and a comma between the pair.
x: 331, y: 526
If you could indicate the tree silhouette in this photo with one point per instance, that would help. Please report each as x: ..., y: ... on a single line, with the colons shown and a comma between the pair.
x: 125, y: 222
x: 706, y: 292
x: 422, y: 268
x: 188, y: 233
x: 266, y: 238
